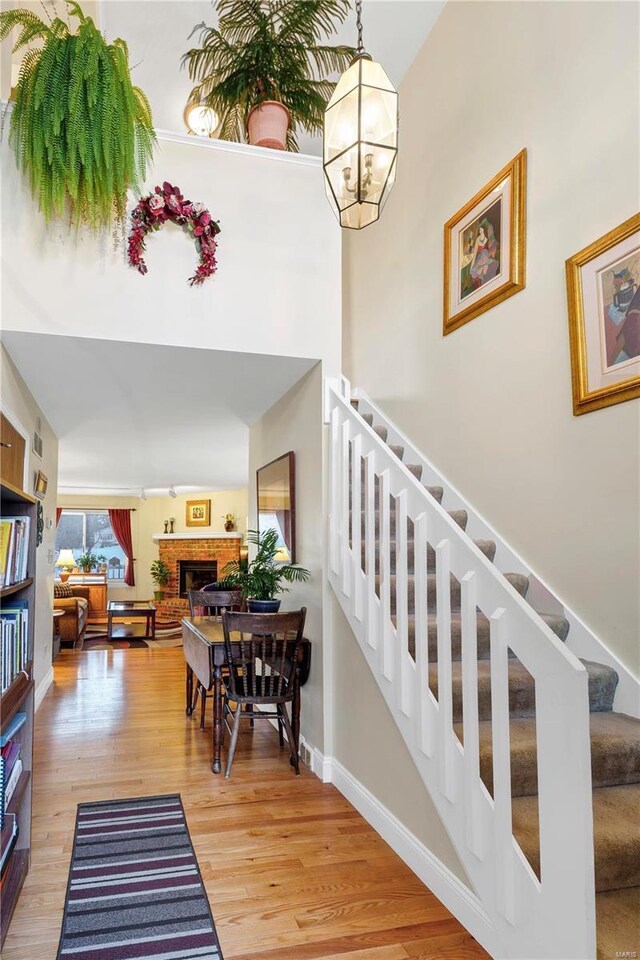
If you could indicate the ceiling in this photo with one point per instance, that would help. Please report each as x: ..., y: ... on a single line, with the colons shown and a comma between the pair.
x: 132, y: 416
x: 156, y: 32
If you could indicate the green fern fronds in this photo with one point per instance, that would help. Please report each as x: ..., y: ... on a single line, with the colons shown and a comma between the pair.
x: 81, y: 132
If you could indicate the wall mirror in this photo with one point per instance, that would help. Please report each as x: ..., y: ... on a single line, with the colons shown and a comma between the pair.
x: 276, y: 503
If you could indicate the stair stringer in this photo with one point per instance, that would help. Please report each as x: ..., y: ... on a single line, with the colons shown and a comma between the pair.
x: 546, y: 919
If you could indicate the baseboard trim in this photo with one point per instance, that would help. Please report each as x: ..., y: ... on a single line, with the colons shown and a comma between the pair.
x: 446, y: 886
x: 42, y: 688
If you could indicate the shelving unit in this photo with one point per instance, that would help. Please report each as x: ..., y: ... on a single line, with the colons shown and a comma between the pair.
x: 19, y: 697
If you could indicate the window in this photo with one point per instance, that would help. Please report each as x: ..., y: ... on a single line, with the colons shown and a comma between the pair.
x: 85, y: 531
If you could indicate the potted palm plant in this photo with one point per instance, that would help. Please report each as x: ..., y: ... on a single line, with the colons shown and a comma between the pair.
x: 160, y: 574
x: 88, y: 561
x: 263, y: 577
x: 264, y: 72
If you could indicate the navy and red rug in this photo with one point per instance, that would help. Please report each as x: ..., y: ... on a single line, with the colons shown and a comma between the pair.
x: 135, y: 891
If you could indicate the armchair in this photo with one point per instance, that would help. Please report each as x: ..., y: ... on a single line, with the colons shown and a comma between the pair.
x: 73, y: 622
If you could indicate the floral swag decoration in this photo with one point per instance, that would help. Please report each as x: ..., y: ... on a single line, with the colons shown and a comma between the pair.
x: 167, y: 203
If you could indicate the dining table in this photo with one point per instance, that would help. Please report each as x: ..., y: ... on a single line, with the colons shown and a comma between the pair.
x: 204, y: 654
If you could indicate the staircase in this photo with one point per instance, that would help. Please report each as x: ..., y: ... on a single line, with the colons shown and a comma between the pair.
x: 535, y: 776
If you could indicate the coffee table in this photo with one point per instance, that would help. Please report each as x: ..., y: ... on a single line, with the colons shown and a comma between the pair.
x: 132, y: 608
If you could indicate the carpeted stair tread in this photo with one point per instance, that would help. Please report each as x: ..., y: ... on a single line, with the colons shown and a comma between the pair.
x: 458, y: 516
x: 615, y: 751
x: 487, y: 547
x: 382, y: 432
x: 616, y: 834
x: 415, y: 469
x: 517, y: 580
x: 559, y: 625
x: 602, y: 687
x: 618, y: 923
x: 397, y: 450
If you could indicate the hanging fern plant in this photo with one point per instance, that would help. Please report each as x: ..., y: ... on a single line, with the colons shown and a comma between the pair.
x: 81, y: 132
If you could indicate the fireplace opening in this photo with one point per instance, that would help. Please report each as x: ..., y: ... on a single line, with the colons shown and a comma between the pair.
x: 196, y: 574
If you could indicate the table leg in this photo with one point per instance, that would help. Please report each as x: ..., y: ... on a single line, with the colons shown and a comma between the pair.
x: 109, y: 626
x: 153, y: 626
x: 217, y: 719
x: 295, y: 715
x: 189, y: 710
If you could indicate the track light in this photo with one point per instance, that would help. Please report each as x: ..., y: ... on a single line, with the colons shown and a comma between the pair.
x: 172, y: 492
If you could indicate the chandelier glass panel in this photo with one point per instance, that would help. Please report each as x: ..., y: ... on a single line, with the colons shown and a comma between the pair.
x: 360, y: 142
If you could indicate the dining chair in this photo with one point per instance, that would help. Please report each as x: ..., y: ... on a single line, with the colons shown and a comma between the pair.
x: 213, y: 602
x: 261, y: 659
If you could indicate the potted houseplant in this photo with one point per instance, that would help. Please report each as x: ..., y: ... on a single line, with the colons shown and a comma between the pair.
x: 81, y: 133
x: 260, y: 579
x: 229, y: 522
x: 263, y: 71
x: 160, y: 574
x: 87, y: 562
x: 101, y: 563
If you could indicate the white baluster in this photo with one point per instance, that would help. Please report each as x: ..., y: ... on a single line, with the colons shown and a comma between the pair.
x: 425, y: 713
x: 345, y: 559
x: 334, y: 453
x: 386, y: 664
x: 370, y: 550
x: 402, y: 601
x: 445, y: 692
x: 502, y: 765
x: 468, y: 605
x: 356, y: 523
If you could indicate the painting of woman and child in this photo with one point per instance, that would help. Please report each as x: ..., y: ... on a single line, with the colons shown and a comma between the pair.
x: 480, y: 250
x: 485, y: 247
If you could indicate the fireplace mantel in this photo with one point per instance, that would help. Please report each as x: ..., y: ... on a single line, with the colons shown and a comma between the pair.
x: 200, y: 535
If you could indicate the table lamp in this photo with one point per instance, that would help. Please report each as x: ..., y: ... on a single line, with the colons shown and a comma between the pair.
x: 67, y: 561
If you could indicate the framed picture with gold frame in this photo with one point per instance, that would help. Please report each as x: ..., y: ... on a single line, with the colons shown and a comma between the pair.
x: 198, y: 513
x: 603, y: 292
x: 485, y: 247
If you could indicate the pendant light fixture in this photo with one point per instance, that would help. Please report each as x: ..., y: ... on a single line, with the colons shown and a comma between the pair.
x: 360, y: 139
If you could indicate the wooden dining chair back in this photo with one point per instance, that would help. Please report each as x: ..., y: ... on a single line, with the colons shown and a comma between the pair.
x: 261, y: 651
x: 213, y: 602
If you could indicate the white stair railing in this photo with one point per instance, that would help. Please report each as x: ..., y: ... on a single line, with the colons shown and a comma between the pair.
x: 546, y: 918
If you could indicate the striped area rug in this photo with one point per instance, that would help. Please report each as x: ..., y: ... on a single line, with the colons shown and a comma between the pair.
x: 135, y: 890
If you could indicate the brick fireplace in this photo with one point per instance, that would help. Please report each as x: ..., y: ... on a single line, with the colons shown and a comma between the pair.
x: 218, y: 549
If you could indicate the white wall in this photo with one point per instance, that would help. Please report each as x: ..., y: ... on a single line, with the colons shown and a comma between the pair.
x: 295, y: 423
x: 491, y: 403
x: 277, y: 289
x: 148, y: 518
x: 18, y: 405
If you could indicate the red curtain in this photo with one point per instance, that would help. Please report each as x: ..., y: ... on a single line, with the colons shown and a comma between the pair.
x: 58, y: 515
x: 121, y: 525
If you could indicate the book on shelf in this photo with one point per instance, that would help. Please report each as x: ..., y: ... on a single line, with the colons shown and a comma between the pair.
x: 12, y: 727
x: 12, y: 782
x: 2, y: 791
x: 8, y: 837
x: 10, y: 754
x: 14, y: 639
x: 14, y: 549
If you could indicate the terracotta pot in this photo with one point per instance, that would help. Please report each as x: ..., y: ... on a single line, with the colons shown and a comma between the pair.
x: 64, y: 576
x: 268, y: 124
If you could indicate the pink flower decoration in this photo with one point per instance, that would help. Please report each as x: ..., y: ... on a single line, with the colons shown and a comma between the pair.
x: 167, y: 203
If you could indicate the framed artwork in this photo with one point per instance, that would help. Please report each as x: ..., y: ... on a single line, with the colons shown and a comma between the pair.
x: 40, y: 485
x: 198, y: 513
x: 485, y: 247
x: 603, y: 290
x: 276, y: 488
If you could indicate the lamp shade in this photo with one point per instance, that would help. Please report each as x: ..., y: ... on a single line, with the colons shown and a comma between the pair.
x: 360, y: 143
x: 66, y: 559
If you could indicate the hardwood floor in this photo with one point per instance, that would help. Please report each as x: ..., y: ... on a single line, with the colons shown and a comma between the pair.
x: 292, y: 871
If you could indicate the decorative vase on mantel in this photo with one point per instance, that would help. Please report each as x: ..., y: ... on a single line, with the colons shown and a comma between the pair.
x: 229, y: 526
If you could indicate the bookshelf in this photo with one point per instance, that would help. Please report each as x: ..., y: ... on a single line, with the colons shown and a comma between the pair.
x: 18, y: 697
